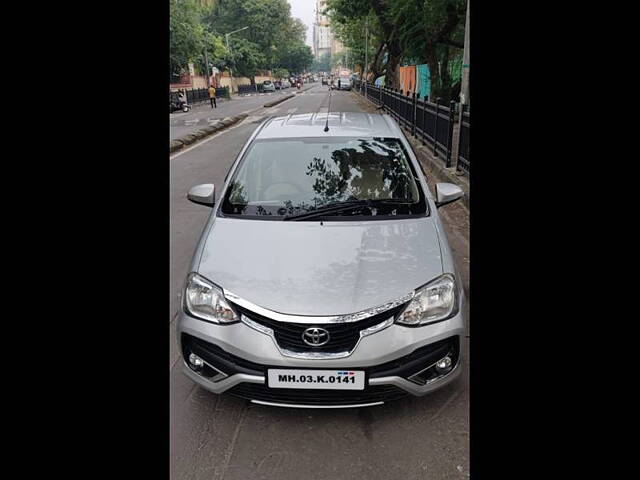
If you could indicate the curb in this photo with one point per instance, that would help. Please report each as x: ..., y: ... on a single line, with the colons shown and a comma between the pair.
x: 190, y: 138
x: 280, y: 100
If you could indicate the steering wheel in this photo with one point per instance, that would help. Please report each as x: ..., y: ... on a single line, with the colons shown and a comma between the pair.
x: 283, y: 196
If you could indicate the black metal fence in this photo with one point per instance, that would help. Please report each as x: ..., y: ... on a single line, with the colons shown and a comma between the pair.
x: 249, y: 89
x: 244, y: 89
x: 431, y: 122
x: 196, y: 95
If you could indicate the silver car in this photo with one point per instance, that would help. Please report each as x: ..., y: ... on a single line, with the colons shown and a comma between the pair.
x: 323, y: 277
x: 344, y: 83
x: 268, y: 86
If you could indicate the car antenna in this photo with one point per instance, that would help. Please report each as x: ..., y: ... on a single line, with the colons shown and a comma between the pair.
x: 326, y: 125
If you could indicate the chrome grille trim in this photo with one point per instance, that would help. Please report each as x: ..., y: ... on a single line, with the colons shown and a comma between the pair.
x: 317, y: 320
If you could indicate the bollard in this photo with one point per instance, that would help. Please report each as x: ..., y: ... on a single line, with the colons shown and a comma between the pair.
x: 452, y: 108
x: 435, y: 129
x: 424, y: 120
x: 413, y: 114
x: 416, y: 98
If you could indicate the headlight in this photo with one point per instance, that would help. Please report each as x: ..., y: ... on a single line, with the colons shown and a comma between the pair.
x: 434, y: 302
x: 204, y: 300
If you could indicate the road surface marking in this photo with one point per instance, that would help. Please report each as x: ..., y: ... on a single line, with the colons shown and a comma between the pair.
x: 202, y: 142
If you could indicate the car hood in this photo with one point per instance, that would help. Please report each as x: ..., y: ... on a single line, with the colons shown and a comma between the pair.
x: 305, y: 268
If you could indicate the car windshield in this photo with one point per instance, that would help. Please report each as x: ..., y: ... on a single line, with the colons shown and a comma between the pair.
x: 345, y: 79
x: 284, y: 177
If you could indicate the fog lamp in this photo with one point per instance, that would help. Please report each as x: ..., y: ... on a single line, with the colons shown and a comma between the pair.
x: 444, y: 364
x: 195, y: 361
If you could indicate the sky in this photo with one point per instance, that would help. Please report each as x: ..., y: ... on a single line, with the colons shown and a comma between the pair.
x: 304, y: 10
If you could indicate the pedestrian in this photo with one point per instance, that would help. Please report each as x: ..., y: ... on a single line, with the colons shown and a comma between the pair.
x: 212, y: 96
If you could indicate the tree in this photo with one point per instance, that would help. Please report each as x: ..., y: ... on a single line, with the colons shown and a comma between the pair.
x: 296, y: 57
x: 430, y: 31
x: 273, y: 40
x: 186, y: 34
x: 189, y: 37
x: 351, y: 14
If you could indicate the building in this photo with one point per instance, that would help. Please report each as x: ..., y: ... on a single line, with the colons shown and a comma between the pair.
x: 323, y: 39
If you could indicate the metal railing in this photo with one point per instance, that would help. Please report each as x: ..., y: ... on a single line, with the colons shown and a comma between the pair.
x: 244, y: 89
x: 197, y: 95
x: 431, y: 122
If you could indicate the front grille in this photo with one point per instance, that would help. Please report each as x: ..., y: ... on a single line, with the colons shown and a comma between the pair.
x: 374, y: 393
x: 342, y: 336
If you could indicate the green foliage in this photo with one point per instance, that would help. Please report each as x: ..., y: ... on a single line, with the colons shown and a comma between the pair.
x: 281, y: 73
x: 273, y: 40
x: 247, y: 57
x: 295, y: 57
x: 430, y: 31
x: 189, y: 37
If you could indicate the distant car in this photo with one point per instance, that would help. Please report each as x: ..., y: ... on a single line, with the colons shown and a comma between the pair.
x: 343, y: 83
x: 325, y: 81
x: 268, y: 86
x: 286, y: 84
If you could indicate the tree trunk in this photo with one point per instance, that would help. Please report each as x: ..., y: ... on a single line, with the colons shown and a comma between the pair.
x: 393, y: 45
x: 392, y: 76
x: 445, y: 77
x: 375, y: 69
x: 434, y: 76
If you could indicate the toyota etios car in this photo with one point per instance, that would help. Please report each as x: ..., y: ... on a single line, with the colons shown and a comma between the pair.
x: 323, y: 277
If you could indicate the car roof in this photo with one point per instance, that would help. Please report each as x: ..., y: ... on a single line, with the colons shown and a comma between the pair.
x: 341, y: 124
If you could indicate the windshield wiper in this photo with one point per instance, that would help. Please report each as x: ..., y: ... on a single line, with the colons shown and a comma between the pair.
x: 344, y: 206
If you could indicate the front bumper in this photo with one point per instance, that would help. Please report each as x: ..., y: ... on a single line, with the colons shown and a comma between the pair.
x: 240, y: 356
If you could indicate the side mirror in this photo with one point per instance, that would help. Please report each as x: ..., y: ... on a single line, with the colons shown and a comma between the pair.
x: 447, y: 193
x: 204, y: 194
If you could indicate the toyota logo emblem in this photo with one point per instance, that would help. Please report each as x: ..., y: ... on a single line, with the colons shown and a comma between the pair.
x: 315, y: 337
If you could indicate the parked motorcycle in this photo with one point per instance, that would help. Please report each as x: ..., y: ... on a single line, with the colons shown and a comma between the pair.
x: 177, y: 103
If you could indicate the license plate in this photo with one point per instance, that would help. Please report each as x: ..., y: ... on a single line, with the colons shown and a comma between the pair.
x: 316, y: 379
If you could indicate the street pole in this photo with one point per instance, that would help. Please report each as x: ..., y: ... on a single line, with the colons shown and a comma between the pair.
x: 233, y: 60
x: 366, y: 56
x: 226, y: 36
x: 464, y: 87
x: 206, y: 61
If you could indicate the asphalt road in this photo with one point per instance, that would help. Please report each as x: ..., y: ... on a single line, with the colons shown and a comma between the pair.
x: 218, y: 437
x: 201, y: 115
